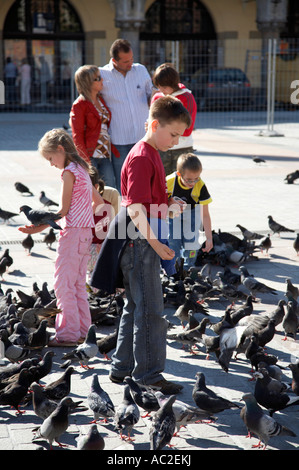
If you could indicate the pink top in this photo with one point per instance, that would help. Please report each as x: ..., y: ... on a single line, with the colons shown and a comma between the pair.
x: 80, y: 213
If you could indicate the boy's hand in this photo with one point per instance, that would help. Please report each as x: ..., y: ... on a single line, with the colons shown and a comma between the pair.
x: 162, y: 250
x: 176, y: 206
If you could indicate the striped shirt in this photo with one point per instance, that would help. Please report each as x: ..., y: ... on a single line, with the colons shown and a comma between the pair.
x: 127, y: 97
x: 80, y: 213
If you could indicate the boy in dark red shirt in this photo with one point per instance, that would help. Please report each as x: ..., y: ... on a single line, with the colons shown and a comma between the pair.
x: 141, y: 344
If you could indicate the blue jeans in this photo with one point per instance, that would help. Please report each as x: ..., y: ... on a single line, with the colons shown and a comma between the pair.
x: 117, y: 162
x: 105, y: 170
x: 141, y: 343
x: 184, y: 234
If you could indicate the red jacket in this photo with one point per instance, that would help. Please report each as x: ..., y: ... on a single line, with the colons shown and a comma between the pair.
x: 86, y: 126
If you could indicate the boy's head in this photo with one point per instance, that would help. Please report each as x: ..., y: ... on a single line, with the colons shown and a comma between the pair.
x: 166, y: 79
x: 189, y: 169
x: 168, y: 120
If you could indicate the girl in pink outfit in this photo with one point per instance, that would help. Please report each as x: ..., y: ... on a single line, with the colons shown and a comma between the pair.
x: 78, y: 200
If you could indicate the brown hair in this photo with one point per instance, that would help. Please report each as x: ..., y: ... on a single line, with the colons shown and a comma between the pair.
x: 84, y: 77
x: 166, y: 75
x: 52, y: 139
x: 120, y: 45
x: 188, y: 161
x: 168, y: 109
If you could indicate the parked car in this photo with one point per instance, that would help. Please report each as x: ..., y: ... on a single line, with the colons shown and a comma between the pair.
x: 221, y: 88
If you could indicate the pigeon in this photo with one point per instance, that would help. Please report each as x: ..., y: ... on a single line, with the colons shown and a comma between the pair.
x: 28, y: 243
x: 291, y: 177
x: 163, y: 425
x: 296, y: 244
x: 145, y: 399
x: 255, y: 354
x: 278, y: 313
x: 56, y: 424
x: 245, y: 310
x: 276, y: 227
x: 126, y: 414
x: 46, y: 201
x: 206, y: 399
x: 290, y: 321
x: 50, y: 238
x: 43, y: 367
x: 258, y: 160
x: 271, y: 393
x: 93, y: 440
x: 13, y: 369
x: 258, y: 422
x: 184, y: 413
x: 7, y: 215
x: 22, y: 188
x: 85, y: 351
x: 265, y: 244
x: 191, y: 336
x: 31, y: 317
x: 61, y: 387
x: 248, y: 234
x: 20, y: 335
x: 189, y: 304
x: 294, y: 366
x: 39, y: 338
x: 13, y: 352
x: 3, y: 266
x: 107, y: 343
x: 266, y: 334
x: 43, y: 295
x: 13, y: 394
x: 37, y: 217
x: 7, y: 256
x: 253, y: 285
x: 293, y: 290
x: 224, y: 323
x: 43, y: 406
x: 99, y: 401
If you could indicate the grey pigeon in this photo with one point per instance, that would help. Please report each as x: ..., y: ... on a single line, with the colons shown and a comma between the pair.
x: 20, y: 335
x: 265, y: 244
x: 207, y: 400
x: 22, y: 188
x: 163, y: 425
x: 192, y: 336
x: 50, y: 238
x: 296, y: 244
x: 253, y: 285
x: 258, y: 422
x: 99, y: 401
x: 276, y: 227
x: 290, y: 321
x: 278, y: 313
x: 126, y: 415
x: 61, y: 387
x: 56, y: 424
x: 85, y: 351
x: 13, y: 352
x: 28, y: 243
x: 46, y: 201
x: 184, y: 413
x: 248, y: 234
x: 293, y: 290
x: 37, y: 217
x: 145, y: 399
x: 93, y: 440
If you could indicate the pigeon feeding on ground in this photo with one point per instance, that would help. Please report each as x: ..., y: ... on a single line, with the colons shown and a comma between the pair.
x: 145, y: 399
x: 99, y: 401
x: 85, y: 351
x: 13, y: 394
x: 258, y: 422
x: 276, y: 227
x: 28, y: 243
x: 93, y: 440
x: 6, y: 215
x: 163, y: 425
x: 46, y: 201
x: 56, y: 424
x: 50, y: 238
x: 126, y: 415
x: 61, y: 387
x: 206, y: 399
x: 265, y: 244
x: 291, y: 177
x: 37, y: 217
x: 253, y: 285
x: 22, y: 188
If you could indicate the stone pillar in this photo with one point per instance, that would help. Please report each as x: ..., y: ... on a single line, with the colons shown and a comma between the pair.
x: 129, y: 17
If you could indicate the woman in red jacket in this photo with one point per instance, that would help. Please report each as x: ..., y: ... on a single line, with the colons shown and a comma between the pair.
x: 90, y: 120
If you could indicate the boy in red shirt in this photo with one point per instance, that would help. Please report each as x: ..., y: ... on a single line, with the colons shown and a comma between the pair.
x: 141, y: 344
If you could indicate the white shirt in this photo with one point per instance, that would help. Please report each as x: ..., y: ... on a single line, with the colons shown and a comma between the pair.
x: 127, y: 97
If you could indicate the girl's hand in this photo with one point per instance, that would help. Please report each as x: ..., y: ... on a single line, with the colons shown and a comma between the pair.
x: 31, y: 229
x: 208, y: 245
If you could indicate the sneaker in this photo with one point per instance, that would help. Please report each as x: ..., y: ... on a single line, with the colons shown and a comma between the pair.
x: 115, y: 379
x: 166, y: 387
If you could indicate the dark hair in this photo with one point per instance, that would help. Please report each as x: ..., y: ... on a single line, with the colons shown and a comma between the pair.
x: 168, y: 109
x: 188, y: 161
x: 166, y: 75
x: 120, y: 45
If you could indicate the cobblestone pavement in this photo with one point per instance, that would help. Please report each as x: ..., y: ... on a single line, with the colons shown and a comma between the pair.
x: 243, y: 193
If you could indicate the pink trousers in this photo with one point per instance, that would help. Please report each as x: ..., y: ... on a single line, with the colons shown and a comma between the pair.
x: 73, y: 251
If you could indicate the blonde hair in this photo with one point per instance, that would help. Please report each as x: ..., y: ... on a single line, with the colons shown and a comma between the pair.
x: 52, y: 139
x: 84, y: 77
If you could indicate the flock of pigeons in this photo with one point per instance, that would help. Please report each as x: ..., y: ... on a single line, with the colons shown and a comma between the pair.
x: 24, y: 333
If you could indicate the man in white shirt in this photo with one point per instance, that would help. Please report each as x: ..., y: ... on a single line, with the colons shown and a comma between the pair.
x: 127, y: 90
